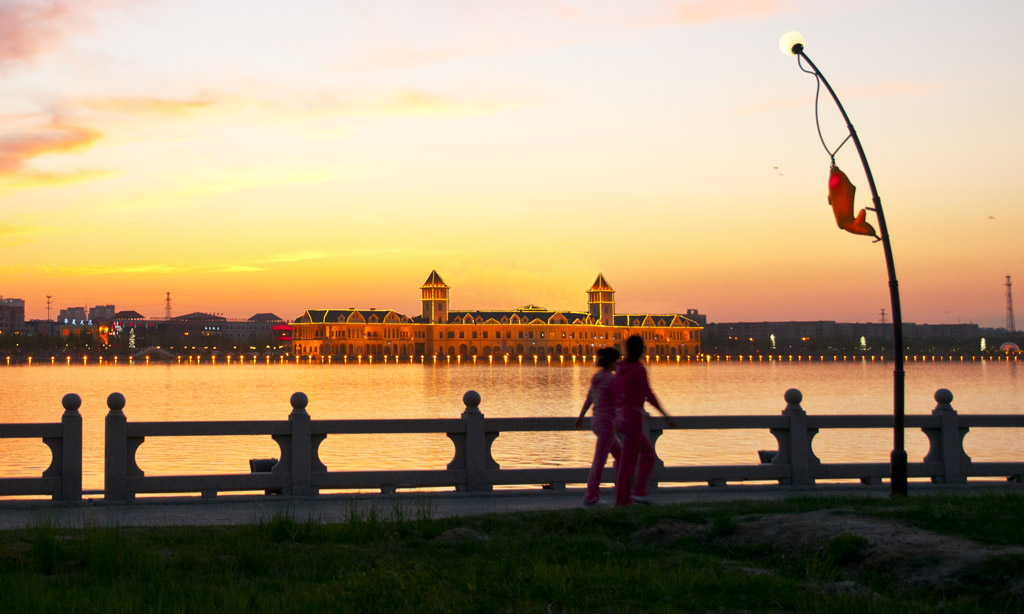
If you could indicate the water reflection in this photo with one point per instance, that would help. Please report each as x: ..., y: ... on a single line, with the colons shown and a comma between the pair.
x: 261, y: 392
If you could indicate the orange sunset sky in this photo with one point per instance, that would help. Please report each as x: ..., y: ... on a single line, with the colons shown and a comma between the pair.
x: 252, y: 156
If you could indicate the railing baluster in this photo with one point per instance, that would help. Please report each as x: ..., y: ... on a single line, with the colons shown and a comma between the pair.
x: 115, y: 469
x: 71, y: 444
x: 946, y: 444
x: 795, y: 442
x: 302, y: 452
x: 477, y: 449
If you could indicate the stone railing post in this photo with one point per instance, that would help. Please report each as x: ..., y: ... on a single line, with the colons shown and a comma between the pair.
x: 946, y: 443
x: 115, y: 455
x: 795, y: 442
x: 301, y: 446
x: 476, y: 443
x: 71, y: 448
x: 652, y: 435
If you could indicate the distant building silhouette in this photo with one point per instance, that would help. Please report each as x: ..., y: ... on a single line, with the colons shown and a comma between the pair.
x: 828, y: 336
x: 102, y: 313
x: 193, y: 328
x: 526, y: 331
x: 12, y: 316
x: 72, y: 315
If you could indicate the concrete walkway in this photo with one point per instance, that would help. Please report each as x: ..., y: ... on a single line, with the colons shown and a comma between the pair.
x: 235, y: 510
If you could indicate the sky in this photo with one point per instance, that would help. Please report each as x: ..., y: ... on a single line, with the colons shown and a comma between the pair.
x: 265, y: 156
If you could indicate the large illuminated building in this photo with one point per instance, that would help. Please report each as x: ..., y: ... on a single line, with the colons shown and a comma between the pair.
x: 529, y: 331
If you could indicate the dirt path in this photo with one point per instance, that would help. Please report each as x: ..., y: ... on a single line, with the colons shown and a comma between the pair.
x: 909, y: 557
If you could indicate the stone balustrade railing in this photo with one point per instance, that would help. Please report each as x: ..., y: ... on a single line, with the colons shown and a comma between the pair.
x: 62, y: 480
x: 300, y: 471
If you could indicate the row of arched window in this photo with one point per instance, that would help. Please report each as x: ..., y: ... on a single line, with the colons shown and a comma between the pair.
x: 405, y: 351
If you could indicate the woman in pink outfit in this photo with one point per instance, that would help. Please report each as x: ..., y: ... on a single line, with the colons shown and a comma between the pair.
x: 601, y: 396
x: 633, y: 391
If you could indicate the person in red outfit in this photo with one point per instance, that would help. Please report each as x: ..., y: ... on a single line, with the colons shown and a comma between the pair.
x: 633, y: 390
x: 602, y: 397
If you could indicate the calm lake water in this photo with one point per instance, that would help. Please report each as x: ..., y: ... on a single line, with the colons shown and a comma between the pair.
x: 160, y: 392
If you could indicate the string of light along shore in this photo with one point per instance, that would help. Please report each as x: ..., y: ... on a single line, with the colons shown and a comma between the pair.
x: 244, y: 359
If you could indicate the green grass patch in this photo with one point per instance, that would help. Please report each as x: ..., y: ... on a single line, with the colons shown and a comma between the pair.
x: 723, y: 525
x: 642, y: 559
x: 845, y: 549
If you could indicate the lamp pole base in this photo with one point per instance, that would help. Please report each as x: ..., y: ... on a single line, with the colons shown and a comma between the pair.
x: 898, y: 473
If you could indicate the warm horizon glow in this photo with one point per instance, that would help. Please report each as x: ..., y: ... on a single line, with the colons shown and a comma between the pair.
x: 278, y: 157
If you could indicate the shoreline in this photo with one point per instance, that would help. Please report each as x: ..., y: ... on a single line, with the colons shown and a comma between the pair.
x: 12, y: 360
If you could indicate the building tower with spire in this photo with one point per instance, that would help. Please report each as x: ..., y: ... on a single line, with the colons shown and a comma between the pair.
x: 601, y: 299
x: 435, y: 299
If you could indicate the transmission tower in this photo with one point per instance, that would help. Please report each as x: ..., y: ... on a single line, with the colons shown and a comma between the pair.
x: 48, y: 297
x: 167, y: 306
x: 882, y: 316
x: 1010, y: 326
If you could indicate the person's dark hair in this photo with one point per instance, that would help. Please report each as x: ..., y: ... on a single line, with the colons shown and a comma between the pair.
x: 634, y: 348
x: 606, y: 357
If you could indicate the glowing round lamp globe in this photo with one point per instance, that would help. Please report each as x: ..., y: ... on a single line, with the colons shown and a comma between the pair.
x: 789, y: 40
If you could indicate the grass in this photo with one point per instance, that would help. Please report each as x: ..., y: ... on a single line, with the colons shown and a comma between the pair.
x: 567, y: 561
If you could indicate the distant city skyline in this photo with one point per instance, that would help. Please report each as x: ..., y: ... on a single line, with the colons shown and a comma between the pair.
x: 160, y: 314
x: 285, y: 156
x: 158, y: 310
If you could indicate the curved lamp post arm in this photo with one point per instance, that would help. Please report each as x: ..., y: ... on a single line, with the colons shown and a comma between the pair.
x: 898, y: 458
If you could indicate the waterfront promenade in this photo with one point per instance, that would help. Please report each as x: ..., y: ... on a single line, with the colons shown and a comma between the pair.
x: 241, y: 510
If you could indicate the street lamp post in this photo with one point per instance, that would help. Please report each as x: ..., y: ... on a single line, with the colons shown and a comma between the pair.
x: 792, y: 43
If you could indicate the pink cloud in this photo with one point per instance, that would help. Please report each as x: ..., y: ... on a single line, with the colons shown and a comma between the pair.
x: 18, y: 148
x: 28, y: 29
